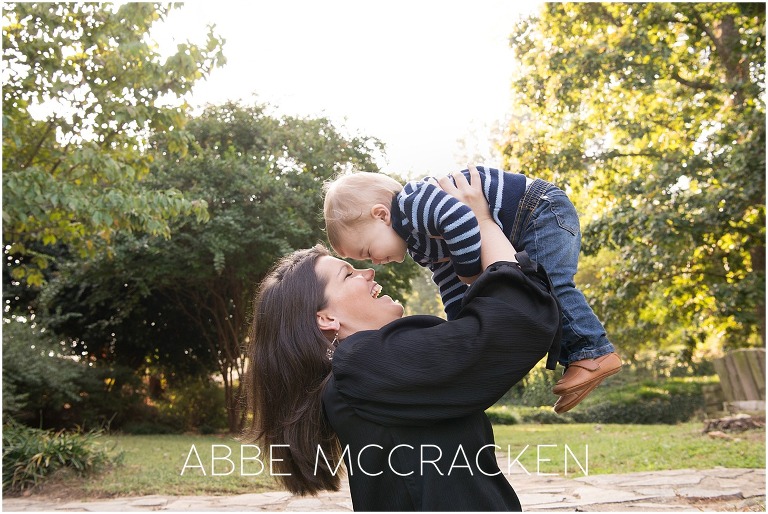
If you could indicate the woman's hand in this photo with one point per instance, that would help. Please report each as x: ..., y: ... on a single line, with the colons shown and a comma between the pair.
x: 494, y: 246
x: 468, y: 193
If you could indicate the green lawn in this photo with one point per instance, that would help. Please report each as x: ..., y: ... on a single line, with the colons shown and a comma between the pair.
x: 180, y: 465
x: 626, y: 448
x: 183, y: 465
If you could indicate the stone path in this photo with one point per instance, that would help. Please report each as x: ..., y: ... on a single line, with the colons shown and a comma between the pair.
x: 717, y: 489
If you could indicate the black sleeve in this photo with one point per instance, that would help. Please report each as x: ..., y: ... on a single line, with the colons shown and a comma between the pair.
x: 421, y: 369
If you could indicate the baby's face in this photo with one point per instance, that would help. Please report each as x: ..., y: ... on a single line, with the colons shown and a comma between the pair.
x: 375, y: 241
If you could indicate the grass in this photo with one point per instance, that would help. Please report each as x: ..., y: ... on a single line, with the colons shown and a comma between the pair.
x: 154, y: 464
x: 627, y: 448
x: 173, y: 464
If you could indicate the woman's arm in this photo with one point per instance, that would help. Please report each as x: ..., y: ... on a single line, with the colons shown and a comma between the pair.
x: 421, y: 369
x: 494, y: 245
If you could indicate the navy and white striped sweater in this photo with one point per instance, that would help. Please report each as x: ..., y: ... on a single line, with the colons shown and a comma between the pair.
x: 442, y: 233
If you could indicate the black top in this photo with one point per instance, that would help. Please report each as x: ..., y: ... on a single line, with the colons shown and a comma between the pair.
x: 407, y: 401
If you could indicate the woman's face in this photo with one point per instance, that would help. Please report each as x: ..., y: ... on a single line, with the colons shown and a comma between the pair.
x: 353, y: 300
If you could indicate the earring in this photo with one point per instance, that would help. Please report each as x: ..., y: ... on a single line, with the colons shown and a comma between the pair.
x: 335, y: 343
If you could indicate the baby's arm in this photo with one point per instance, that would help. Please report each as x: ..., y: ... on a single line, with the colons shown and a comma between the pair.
x: 438, y: 214
x: 450, y: 287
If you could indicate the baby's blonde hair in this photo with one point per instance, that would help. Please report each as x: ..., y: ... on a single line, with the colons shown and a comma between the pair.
x: 349, y: 198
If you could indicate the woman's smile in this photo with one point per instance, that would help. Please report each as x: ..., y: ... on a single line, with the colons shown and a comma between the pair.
x: 353, y: 297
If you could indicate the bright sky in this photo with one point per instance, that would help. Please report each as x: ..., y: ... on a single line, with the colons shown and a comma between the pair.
x: 419, y: 75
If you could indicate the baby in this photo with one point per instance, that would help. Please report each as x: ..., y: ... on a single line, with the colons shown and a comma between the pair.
x: 371, y: 216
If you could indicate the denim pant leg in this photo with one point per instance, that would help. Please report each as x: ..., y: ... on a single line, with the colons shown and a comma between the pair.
x: 552, y: 237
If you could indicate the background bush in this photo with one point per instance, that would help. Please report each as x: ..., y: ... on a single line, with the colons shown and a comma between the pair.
x: 32, y: 455
x: 193, y: 404
x: 668, y: 401
x: 535, y: 389
x: 44, y: 386
x: 36, y: 380
x: 665, y: 401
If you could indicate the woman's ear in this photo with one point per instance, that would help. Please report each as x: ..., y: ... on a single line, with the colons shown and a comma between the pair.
x: 381, y: 212
x: 327, y: 322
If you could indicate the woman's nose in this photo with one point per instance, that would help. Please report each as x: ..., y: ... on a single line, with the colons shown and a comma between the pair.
x: 369, y: 273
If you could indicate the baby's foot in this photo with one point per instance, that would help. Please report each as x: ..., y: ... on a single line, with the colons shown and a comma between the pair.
x: 582, y: 374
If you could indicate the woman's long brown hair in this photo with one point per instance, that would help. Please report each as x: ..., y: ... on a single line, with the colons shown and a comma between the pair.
x: 288, y: 367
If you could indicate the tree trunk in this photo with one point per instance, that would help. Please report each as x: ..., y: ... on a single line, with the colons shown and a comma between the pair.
x: 222, y: 306
x: 758, y: 266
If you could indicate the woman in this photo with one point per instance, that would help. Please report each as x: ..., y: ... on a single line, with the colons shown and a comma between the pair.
x: 337, y: 373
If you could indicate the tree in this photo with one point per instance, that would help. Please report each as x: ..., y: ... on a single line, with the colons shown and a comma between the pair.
x: 188, y: 297
x: 262, y: 179
x: 652, y: 116
x: 83, y: 89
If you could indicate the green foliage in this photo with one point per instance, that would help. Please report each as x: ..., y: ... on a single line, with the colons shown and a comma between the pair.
x: 543, y: 415
x: 194, y: 404
x: 652, y: 117
x: 45, y: 385
x: 535, y: 389
x: 423, y: 296
x: 190, y: 404
x: 179, y: 306
x: 262, y: 179
x: 667, y: 401
x: 36, y: 379
x: 31, y: 455
x: 111, y: 395
x: 85, y: 89
x: 648, y: 407
x: 503, y: 415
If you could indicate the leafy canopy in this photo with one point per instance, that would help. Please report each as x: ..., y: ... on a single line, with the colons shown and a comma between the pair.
x: 83, y: 89
x: 652, y: 117
x: 180, y: 305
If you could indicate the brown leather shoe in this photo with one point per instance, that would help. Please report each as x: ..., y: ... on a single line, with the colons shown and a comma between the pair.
x: 569, y: 401
x: 584, y: 373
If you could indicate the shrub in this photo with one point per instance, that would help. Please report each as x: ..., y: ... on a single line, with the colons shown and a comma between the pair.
x: 502, y: 415
x: 44, y: 386
x: 543, y: 415
x: 535, y: 389
x: 667, y: 401
x: 31, y: 455
x: 36, y: 380
x: 193, y: 404
x: 646, y: 408
x: 112, y: 395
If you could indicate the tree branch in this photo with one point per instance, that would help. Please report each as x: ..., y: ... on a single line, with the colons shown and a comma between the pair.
x: 48, y: 129
x: 728, y: 37
x: 615, y: 154
x: 704, y: 86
